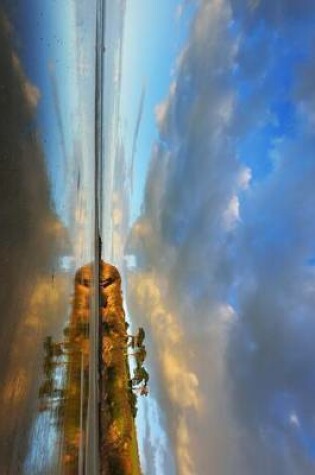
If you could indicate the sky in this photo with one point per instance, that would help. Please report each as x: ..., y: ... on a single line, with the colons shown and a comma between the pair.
x: 212, y: 223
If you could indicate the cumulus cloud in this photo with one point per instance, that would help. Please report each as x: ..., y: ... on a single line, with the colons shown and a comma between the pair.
x: 190, y: 194
x: 271, y: 353
x: 245, y: 178
x: 182, y: 383
x: 269, y: 350
x: 232, y: 213
x: 223, y: 281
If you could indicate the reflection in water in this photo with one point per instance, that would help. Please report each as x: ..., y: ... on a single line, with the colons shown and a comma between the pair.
x: 40, y: 249
x: 31, y: 237
x: 64, y: 390
x: 119, y: 392
x: 63, y: 393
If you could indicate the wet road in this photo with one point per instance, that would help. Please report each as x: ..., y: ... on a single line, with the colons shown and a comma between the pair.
x: 47, y: 226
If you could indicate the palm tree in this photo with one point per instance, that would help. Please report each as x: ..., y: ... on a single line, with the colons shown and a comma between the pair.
x: 49, y: 366
x: 48, y: 342
x: 46, y: 388
x: 53, y: 348
x: 137, y: 340
x: 143, y: 390
x: 140, y: 374
x: 140, y: 355
x: 57, y: 349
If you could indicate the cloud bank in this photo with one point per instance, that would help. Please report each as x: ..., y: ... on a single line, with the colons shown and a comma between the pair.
x: 224, y: 245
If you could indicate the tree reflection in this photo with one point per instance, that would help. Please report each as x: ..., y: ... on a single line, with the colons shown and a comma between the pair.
x: 64, y: 389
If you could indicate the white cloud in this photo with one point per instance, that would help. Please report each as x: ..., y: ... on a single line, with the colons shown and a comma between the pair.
x: 183, y: 449
x: 245, y: 177
x: 181, y: 382
x: 186, y: 321
x: 232, y: 213
x: 197, y: 258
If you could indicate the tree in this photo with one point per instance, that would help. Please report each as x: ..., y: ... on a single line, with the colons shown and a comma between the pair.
x: 53, y: 349
x: 133, y: 403
x: 57, y: 349
x: 82, y: 327
x: 140, y: 355
x: 140, y: 337
x: 66, y: 331
x: 140, y: 374
x: 137, y: 340
x: 49, y: 367
x: 46, y: 389
x: 48, y: 341
x: 143, y: 390
x: 50, y: 395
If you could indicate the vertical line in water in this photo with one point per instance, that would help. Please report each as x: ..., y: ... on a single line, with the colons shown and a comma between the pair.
x: 92, y: 466
x: 81, y: 450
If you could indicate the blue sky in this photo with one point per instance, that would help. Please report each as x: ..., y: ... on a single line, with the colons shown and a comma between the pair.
x: 150, y: 51
x: 220, y: 223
